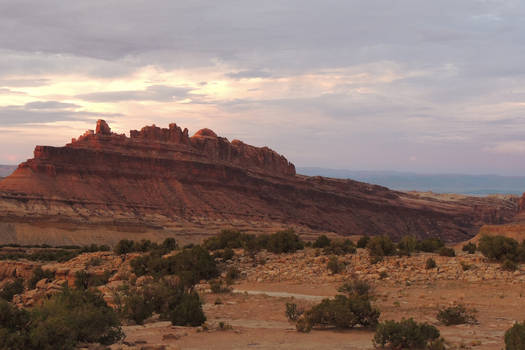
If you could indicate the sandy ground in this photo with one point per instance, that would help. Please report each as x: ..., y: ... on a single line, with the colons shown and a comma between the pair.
x: 258, y: 321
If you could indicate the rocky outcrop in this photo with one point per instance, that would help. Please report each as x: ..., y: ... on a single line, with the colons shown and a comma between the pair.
x: 160, y: 182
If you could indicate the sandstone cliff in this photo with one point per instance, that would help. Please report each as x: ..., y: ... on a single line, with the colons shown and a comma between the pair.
x: 160, y: 182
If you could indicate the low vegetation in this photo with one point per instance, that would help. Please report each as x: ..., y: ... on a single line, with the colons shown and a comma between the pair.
x: 457, y: 314
x: 407, y: 334
x: 515, y: 337
x: 343, y: 312
x: 61, y: 322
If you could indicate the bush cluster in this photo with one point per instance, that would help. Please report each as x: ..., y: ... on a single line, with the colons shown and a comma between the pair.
x: 280, y: 242
x: 501, y: 248
x: 344, y: 311
x: 190, y: 265
x: 126, y: 246
x: 457, y: 314
x: 11, y: 289
x: 446, y: 251
x: 61, y: 322
x: 49, y: 253
x: 170, y: 300
x: 407, y: 334
x: 334, y: 265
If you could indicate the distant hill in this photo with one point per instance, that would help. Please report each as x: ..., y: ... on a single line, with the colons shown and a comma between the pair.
x: 440, y: 183
x: 6, y: 170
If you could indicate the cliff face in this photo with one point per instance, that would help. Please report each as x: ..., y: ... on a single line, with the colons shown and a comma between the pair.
x: 160, y: 182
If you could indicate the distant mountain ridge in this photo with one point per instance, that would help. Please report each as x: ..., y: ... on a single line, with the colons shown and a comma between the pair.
x: 6, y: 170
x: 439, y: 183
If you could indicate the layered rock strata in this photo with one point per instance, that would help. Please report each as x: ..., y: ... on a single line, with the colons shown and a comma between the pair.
x: 161, y: 182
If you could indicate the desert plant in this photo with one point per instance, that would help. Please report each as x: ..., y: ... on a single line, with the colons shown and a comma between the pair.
x: 357, y: 287
x: 406, y: 334
x: 334, y: 265
x: 465, y: 266
x: 124, y: 246
x: 430, y: 264
x: 11, y: 289
x: 446, y: 251
x: 188, y: 311
x: 73, y: 316
x: 499, y: 248
x: 342, y: 312
x: 321, y: 242
x: 284, y: 242
x: 515, y: 337
x: 340, y: 247
x: 469, y: 248
x: 380, y: 246
x: 407, y: 245
x: 363, y: 241
x: 509, y: 265
x: 430, y: 245
x: 457, y: 314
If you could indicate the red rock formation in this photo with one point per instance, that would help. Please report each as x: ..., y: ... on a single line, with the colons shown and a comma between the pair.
x: 160, y: 181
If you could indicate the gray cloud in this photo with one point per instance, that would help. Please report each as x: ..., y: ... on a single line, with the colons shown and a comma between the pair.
x: 460, y: 66
x: 246, y: 74
x: 46, y: 112
x: 50, y: 105
x: 160, y: 93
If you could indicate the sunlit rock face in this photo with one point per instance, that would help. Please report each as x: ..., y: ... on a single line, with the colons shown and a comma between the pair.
x: 159, y: 182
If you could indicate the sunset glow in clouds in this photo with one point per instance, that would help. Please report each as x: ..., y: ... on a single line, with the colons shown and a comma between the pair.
x: 419, y: 86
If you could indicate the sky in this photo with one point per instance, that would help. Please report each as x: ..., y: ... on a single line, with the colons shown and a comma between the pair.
x: 407, y: 85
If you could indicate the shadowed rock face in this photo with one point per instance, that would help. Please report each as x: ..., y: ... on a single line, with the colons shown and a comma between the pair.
x: 160, y: 182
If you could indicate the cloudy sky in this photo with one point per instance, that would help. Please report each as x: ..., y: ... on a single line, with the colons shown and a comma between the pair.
x: 412, y: 85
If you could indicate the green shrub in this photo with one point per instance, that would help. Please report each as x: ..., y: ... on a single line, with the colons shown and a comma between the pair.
x: 340, y: 247
x: 341, y: 312
x: 14, y: 327
x: 457, y: 314
x: 430, y: 264
x: 446, y: 251
x: 515, y: 337
x: 363, y: 241
x: 191, y: 265
x: 430, y: 245
x: 321, y: 242
x: 225, y: 239
x: 509, y: 265
x: 380, y: 246
x: 469, y: 248
x: 169, y: 244
x: 38, y: 275
x: 406, y: 334
x: 11, y: 289
x: 70, y: 317
x: 124, y: 246
x: 499, y: 248
x: 188, y: 311
x: 284, y: 242
x: 357, y: 287
x: 334, y: 265
x: 407, y: 245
